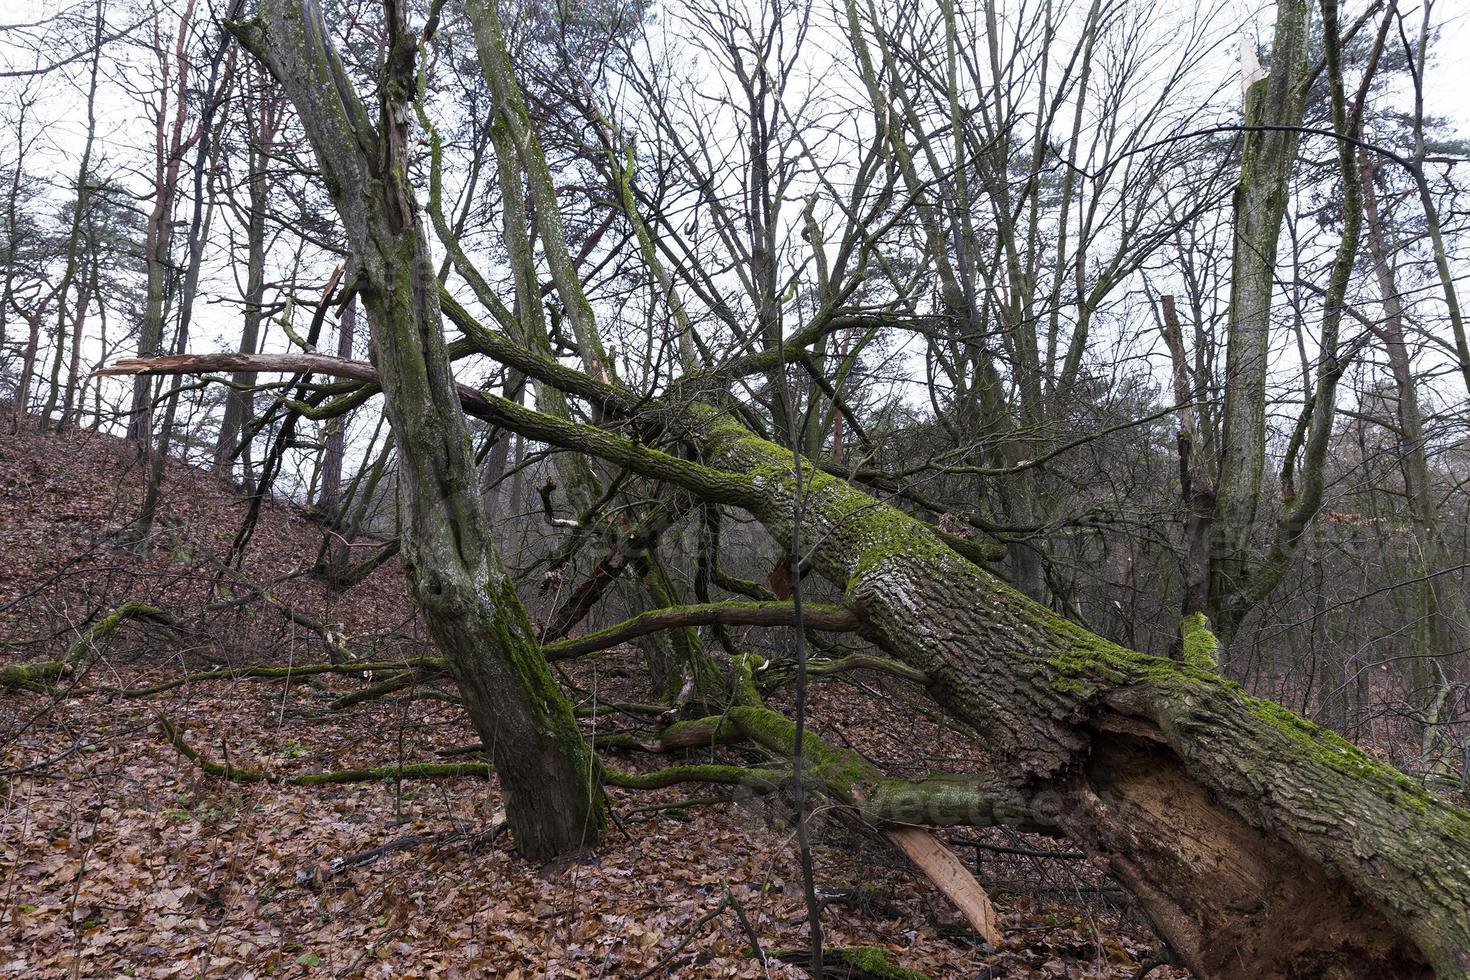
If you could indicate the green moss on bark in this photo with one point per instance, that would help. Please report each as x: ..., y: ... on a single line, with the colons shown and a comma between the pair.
x: 875, y: 532
x: 867, y: 962
x: 1337, y: 753
x: 33, y: 675
x: 1199, y: 646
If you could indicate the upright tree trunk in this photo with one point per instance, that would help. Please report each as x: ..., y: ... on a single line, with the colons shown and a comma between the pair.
x: 170, y: 144
x: 552, y: 796
x: 677, y: 657
x: 71, y: 405
x: 13, y: 234
x: 329, y: 499
x: 240, y: 398
x: 73, y: 243
x: 27, y: 367
x: 199, y: 222
x: 1260, y: 205
x: 1196, y: 483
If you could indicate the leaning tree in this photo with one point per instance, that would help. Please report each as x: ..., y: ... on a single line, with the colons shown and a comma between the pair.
x: 1257, y: 843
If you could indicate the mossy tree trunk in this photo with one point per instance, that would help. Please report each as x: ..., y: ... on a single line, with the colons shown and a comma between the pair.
x: 551, y: 796
x: 678, y: 660
x: 1260, y: 206
x: 1259, y: 844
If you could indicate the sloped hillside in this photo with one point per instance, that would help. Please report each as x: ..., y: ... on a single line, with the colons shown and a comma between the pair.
x: 122, y: 857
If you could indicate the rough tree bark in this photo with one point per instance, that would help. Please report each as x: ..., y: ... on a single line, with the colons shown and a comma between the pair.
x: 551, y: 796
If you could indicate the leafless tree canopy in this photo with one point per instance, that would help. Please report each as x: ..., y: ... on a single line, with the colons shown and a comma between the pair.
x: 1088, y: 374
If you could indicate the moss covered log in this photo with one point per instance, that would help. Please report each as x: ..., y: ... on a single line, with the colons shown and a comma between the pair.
x: 36, y: 674
x: 33, y: 675
x: 283, y: 672
x: 1227, y: 816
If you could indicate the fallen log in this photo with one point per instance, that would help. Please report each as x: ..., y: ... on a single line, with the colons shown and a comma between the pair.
x: 1256, y: 842
x: 35, y: 674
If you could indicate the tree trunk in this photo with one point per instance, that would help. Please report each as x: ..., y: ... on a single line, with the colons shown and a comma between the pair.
x: 1195, y: 482
x: 1259, y: 844
x: 1260, y: 206
x: 239, y: 400
x: 199, y: 223
x: 551, y: 796
x: 73, y: 246
x: 1443, y: 605
x: 329, y: 499
x: 170, y: 144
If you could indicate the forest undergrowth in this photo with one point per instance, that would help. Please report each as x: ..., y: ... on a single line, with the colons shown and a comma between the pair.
x: 123, y: 857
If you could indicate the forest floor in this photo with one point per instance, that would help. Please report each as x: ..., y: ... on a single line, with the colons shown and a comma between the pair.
x: 118, y: 856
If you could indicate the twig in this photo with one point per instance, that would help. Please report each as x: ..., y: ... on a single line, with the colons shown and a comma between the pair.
x: 704, y: 920
x: 750, y: 933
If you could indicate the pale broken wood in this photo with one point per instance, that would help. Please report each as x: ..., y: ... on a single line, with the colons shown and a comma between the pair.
x: 950, y: 876
x: 948, y: 873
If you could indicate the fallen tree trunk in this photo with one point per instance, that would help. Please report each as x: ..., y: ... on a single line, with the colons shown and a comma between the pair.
x: 1259, y: 844
x: 34, y: 675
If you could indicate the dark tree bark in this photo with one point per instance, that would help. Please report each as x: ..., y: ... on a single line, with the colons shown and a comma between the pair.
x: 329, y: 498
x: 264, y: 120
x: 73, y: 248
x: 172, y: 139
x: 1261, y: 197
